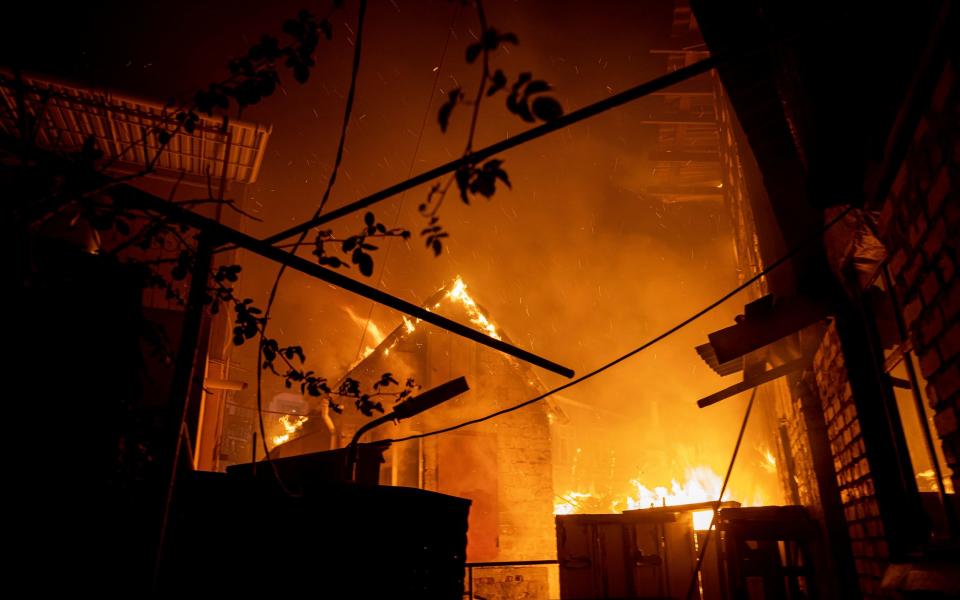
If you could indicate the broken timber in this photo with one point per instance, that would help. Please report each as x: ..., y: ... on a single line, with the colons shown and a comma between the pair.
x: 227, y: 235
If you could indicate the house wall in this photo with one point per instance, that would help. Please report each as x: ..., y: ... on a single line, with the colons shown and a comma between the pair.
x: 920, y: 227
x: 855, y: 481
x: 504, y: 465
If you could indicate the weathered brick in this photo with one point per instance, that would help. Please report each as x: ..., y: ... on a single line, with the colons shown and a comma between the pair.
x: 897, y: 187
x: 950, y: 301
x: 938, y: 192
x: 931, y: 326
x: 897, y: 262
x: 949, y: 344
x: 933, y: 397
x: 951, y: 213
x: 929, y: 288
x: 885, y: 219
x: 930, y: 362
x: 945, y: 422
x: 916, y: 230
x: 911, y: 272
x: 946, y: 384
x: 946, y: 266
x: 911, y: 311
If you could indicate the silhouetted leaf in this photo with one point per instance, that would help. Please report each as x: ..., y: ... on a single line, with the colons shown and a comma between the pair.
x: 463, y: 182
x: 447, y: 109
x: 497, y: 82
x: 473, y: 51
x: 365, y: 262
x: 301, y: 73
x: 535, y: 87
x: 547, y: 108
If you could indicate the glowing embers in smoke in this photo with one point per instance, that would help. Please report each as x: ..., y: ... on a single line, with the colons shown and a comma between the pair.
x: 458, y: 293
x: 370, y: 329
x: 768, y: 461
x: 291, y: 424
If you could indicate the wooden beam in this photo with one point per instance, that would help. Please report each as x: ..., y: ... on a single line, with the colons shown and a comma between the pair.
x: 227, y: 235
x: 747, y: 384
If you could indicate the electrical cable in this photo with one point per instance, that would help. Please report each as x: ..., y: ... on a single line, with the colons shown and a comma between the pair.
x: 713, y: 519
x: 348, y: 109
x: 413, y: 162
x: 775, y: 264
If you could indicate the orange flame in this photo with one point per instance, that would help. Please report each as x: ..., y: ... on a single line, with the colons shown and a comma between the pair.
x: 701, y: 484
x: 459, y: 294
x: 291, y: 424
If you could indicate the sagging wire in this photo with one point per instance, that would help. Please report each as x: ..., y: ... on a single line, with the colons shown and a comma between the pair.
x: 682, y: 324
x: 695, y: 577
x: 413, y: 162
x: 347, y: 111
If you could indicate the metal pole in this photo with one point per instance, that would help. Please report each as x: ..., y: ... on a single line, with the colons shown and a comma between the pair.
x: 183, y: 374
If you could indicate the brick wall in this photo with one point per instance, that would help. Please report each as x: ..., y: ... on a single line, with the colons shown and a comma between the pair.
x: 920, y: 226
x: 796, y: 421
x: 854, y: 480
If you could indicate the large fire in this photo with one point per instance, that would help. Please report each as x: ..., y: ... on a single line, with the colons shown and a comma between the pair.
x: 701, y: 484
x: 457, y: 293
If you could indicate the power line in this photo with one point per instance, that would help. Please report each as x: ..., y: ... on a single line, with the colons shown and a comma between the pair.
x: 347, y: 111
x: 713, y: 519
x: 413, y: 162
x: 592, y: 110
x: 775, y: 264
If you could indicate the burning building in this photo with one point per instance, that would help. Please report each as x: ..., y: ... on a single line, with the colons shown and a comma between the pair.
x: 503, y: 466
x: 829, y: 139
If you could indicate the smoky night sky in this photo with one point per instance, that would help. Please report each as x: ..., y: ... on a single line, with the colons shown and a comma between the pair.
x: 574, y: 263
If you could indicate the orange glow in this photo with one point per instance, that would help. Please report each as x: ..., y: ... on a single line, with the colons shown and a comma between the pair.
x: 291, y: 424
x: 769, y: 461
x: 701, y: 484
x: 371, y: 331
x: 571, y: 504
x: 459, y: 294
x: 702, y: 519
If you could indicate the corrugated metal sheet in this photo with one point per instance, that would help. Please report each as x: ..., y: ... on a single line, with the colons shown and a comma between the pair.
x: 126, y: 130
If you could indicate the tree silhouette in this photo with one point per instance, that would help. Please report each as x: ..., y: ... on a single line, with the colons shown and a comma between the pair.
x: 81, y: 186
